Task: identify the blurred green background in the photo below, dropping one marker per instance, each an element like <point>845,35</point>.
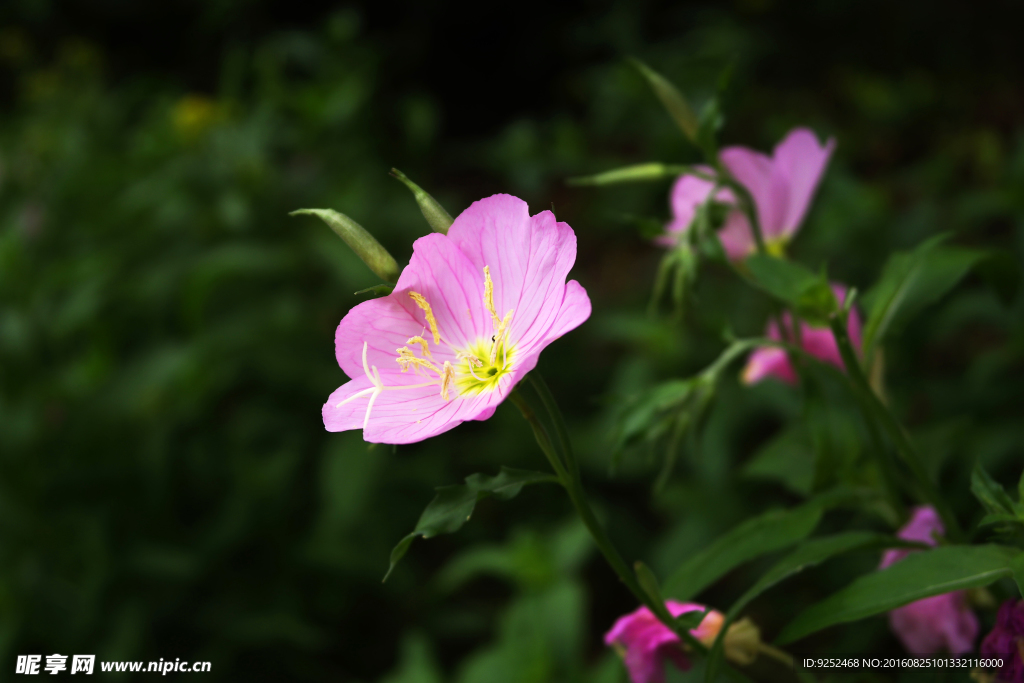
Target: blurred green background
<point>166,330</point>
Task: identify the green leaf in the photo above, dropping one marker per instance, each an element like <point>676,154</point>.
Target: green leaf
<point>676,105</point>
<point>453,505</point>
<point>808,293</point>
<point>919,575</point>
<point>438,219</point>
<point>1017,567</point>
<point>990,493</point>
<point>632,174</point>
<point>763,534</point>
<point>910,281</point>
<point>808,554</point>
<point>377,290</point>
<point>645,577</point>
<point>365,245</point>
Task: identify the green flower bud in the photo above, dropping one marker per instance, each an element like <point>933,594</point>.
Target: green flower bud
<point>438,219</point>
<point>673,100</point>
<point>362,242</point>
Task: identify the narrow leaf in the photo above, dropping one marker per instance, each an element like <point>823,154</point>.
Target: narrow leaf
<point>645,577</point>
<point>808,293</point>
<point>453,505</point>
<point>365,245</point>
<point>377,290</point>
<point>910,281</point>
<point>920,575</point>
<point>808,554</point>
<point>673,100</point>
<point>990,493</point>
<point>769,532</point>
<point>631,174</point>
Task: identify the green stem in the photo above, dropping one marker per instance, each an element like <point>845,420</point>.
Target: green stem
<point>573,485</point>
<point>877,410</point>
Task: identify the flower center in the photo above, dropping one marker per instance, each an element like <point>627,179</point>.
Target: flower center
<point>476,369</point>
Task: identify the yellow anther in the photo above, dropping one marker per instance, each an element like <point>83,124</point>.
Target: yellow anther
<point>407,359</point>
<point>489,296</point>
<point>500,337</point>
<point>447,379</point>
<point>466,356</point>
<point>421,341</point>
<point>422,303</point>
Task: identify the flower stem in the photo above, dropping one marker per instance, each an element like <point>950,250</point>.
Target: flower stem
<point>875,409</point>
<point>571,482</point>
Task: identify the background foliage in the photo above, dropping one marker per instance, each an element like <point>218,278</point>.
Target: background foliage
<point>166,486</point>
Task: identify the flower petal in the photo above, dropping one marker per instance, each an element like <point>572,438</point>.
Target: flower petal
<point>756,172</point>
<point>384,325</point>
<point>769,361</point>
<point>451,284</point>
<point>529,258</point>
<point>801,161</point>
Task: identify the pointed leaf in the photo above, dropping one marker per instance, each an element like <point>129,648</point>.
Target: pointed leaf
<point>990,493</point>
<point>438,219</point>
<point>808,554</point>
<point>808,293</point>
<point>453,505</point>
<point>769,532</point>
<point>645,577</point>
<point>365,245</point>
<point>377,290</point>
<point>632,174</point>
<point>678,108</point>
<point>920,575</point>
<point>911,281</point>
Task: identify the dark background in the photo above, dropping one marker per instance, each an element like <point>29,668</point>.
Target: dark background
<point>166,486</point>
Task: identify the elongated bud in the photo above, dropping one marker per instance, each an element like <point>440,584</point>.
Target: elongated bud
<point>438,219</point>
<point>362,242</point>
<point>632,174</point>
<point>677,106</point>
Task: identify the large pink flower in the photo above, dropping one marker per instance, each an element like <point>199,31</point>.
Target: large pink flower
<point>782,186</point>
<point>941,622</point>
<point>772,361</point>
<point>646,643</point>
<point>468,319</point>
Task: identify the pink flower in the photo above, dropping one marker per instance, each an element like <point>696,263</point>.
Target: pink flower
<point>782,186</point>
<point>941,622</point>
<point>772,361</point>
<point>646,643</point>
<point>1006,642</point>
<point>468,319</point>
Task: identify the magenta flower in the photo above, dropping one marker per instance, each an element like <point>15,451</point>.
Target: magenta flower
<point>1006,642</point>
<point>468,319</point>
<point>782,186</point>
<point>772,361</point>
<point>941,622</point>
<point>645,643</point>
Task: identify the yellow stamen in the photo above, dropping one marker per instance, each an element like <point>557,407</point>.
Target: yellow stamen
<point>473,360</point>
<point>422,342</point>
<point>422,303</point>
<point>447,379</point>
<point>407,359</point>
<point>489,296</point>
<point>500,336</point>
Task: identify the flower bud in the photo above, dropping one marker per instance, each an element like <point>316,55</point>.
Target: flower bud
<point>673,100</point>
<point>438,219</point>
<point>361,242</point>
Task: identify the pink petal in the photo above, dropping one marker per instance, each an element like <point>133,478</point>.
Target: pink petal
<point>756,172</point>
<point>769,361</point>
<point>452,285</point>
<point>402,416</point>
<point>688,193</point>
<point>801,161</point>
<point>736,236</point>
<point>384,324</point>
<point>529,259</point>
